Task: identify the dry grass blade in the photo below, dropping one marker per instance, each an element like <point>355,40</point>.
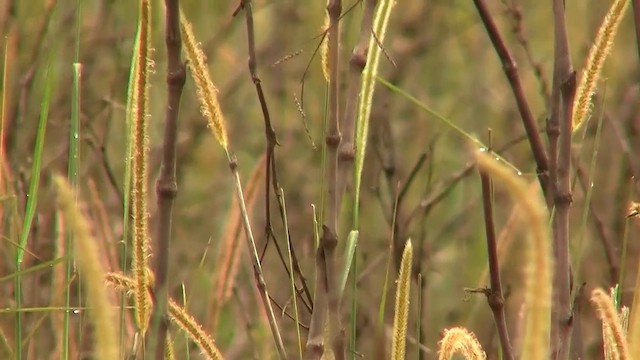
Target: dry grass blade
<point>595,62</point>
<point>539,263</point>
<point>606,310</point>
<point>89,265</point>
<point>460,340</point>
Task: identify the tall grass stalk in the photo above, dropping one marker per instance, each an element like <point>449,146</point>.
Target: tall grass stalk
<point>538,275</point>
<point>367,86</point>
<point>211,110</point>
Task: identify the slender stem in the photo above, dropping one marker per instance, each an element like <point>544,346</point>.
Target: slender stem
<point>357,63</point>
<point>494,294</point>
<point>271,174</point>
<point>564,83</point>
<point>257,268</point>
<point>511,71</point>
<point>166,186</point>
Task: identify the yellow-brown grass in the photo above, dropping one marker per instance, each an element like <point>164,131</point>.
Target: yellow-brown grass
<point>595,62</point>
<point>140,176</point>
<point>614,336</point>
<point>401,316</point>
<point>90,267</point>
<point>205,90</point>
<point>459,340</point>
<point>177,314</point>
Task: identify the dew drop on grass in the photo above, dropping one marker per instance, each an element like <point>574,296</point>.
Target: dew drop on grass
<point>483,149</point>
<point>519,173</point>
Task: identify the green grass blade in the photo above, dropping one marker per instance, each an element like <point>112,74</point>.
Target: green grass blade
<point>443,119</point>
<point>32,200</point>
<point>350,250</point>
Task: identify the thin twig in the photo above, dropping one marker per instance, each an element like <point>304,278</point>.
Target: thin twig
<point>494,294</point>
<point>271,179</point>
<point>166,186</point>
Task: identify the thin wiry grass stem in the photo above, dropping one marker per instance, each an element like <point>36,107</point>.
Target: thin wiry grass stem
<point>564,82</point>
<point>494,295</point>
<point>511,71</point>
<point>271,142</point>
<point>166,186</point>
<point>257,268</point>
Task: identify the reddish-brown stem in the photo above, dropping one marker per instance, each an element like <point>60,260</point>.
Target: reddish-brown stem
<point>494,294</point>
<point>271,175</point>
<point>166,186</point>
<point>564,83</point>
<point>511,71</point>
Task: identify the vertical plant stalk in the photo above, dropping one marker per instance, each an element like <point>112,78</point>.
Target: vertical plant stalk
<point>494,295</point>
<point>327,293</point>
<point>32,202</point>
<point>357,64</point>
<point>257,268</point>
<point>564,83</point>
<point>271,142</point>
<point>539,263</point>
<point>211,110</point>
<point>166,186</point>
<point>140,174</point>
<point>511,71</point>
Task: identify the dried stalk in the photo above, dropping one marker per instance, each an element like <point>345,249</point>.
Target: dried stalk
<point>326,265</point>
<point>494,294</point>
<point>564,82</point>
<point>346,152</point>
<point>166,185</point>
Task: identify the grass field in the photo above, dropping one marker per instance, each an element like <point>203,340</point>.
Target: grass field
<point>240,179</point>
